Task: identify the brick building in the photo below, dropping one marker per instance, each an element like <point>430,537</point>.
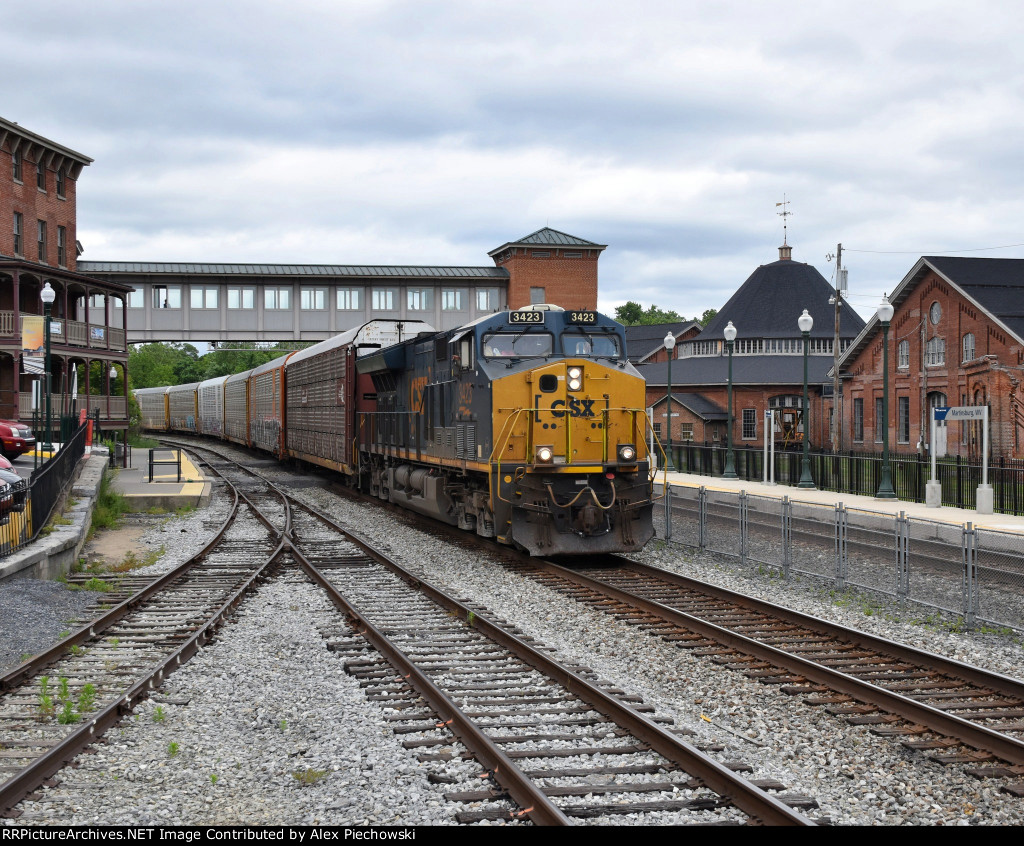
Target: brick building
<point>39,245</point>
<point>549,266</point>
<point>767,363</point>
<point>956,338</point>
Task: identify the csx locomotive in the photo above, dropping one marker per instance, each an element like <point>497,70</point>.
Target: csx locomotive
<point>527,426</point>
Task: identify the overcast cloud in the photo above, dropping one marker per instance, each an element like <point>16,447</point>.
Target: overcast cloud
<point>365,132</point>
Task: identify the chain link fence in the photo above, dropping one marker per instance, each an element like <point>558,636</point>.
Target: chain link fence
<point>976,574</point>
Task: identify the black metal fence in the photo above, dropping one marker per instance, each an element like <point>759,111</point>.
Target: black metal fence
<point>44,491</point>
<point>860,473</point>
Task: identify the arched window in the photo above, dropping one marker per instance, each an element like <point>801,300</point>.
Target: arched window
<point>935,353</point>
<point>903,355</point>
<point>969,347</point>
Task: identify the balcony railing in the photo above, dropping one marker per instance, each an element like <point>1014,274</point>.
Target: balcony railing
<point>73,333</point>
<point>110,408</point>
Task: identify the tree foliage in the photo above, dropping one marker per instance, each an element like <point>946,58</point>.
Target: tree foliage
<point>634,314</point>
<point>153,365</point>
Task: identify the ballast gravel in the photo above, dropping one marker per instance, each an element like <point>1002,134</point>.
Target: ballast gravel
<point>264,727</point>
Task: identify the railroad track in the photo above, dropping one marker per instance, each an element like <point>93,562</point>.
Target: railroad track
<point>58,702</point>
<point>958,713</point>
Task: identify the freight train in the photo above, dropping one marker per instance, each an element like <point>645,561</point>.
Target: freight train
<point>528,426</point>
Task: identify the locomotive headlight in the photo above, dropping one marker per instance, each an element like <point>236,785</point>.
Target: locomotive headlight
<point>627,452</point>
<point>545,455</point>
<point>575,380</point>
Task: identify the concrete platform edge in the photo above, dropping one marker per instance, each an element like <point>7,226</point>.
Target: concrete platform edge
<point>55,554</point>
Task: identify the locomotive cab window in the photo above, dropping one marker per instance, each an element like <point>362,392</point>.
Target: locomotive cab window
<point>517,344</point>
<point>590,345</point>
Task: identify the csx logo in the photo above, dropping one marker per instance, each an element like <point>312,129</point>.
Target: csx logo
<point>574,408</point>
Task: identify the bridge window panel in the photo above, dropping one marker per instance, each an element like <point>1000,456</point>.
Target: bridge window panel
<point>383,299</point>
<point>487,299</point>
<point>96,302</point>
<point>517,344</point>
<point>749,424</point>
<point>166,296</point>
<point>350,299</point>
<point>239,298</point>
<point>453,299</point>
<point>277,298</point>
<point>203,297</point>
<point>136,299</point>
<point>591,345</point>
<point>313,299</point>
<point>419,299</point>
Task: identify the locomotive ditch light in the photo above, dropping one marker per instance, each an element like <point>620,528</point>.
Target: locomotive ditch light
<point>627,453</point>
<point>575,381</point>
<point>545,455</point>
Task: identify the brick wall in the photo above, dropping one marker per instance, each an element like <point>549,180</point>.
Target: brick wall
<point>569,282</point>
<point>35,205</point>
<point>991,376</point>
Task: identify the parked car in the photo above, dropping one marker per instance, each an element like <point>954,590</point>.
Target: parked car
<point>13,490</point>
<point>15,439</point>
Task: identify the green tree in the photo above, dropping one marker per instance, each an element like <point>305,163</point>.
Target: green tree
<point>707,316</point>
<point>153,365</point>
<point>633,314</point>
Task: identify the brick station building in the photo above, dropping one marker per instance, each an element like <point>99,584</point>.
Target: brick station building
<point>956,338</point>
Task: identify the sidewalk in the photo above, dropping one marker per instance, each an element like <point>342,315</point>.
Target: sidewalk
<point>954,516</point>
<point>165,492</point>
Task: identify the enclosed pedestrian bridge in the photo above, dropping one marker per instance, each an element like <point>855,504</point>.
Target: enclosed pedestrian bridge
<point>242,302</point>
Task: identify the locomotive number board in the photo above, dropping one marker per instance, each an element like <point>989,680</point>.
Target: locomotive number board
<point>531,317</point>
<point>584,318</point>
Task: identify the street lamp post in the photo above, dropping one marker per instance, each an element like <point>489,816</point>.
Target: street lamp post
<point>730,466</point>
<point>47,295</point>
<point>885,312</point>
<point>670,345</point>
<point>805,322</point>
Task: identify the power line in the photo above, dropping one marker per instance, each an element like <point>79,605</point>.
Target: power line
<point>932,252</point>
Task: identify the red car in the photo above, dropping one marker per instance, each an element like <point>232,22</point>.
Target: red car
<point>15,439</point>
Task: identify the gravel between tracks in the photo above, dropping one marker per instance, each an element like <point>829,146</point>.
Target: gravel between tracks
<point>231,726</point>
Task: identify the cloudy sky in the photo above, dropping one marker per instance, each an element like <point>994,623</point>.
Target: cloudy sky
<point>377,132</point>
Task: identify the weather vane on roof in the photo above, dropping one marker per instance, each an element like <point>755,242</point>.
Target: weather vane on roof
<point>783,214</point>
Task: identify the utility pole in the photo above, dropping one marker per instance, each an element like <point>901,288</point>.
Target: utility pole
<point>837,409</point>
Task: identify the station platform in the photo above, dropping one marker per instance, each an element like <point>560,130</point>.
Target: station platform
<point>943,514</point>
<point>167,492</point>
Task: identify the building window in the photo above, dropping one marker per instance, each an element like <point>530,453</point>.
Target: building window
<point>97,302</point>
<point>903,355</point>
<point>686,431</point>
<point>40,176</point>
<point>17,233</point>
<point>136,299</point>
<point>879,420</point>
<point>935,313</point>
<point>350,299</point>
<point>420,299</point>
<point>451,300</point>
<point>277,298</point>
<point>935,353</point>
<point>240,298</point>
<point>203,297</point>
<point>41,239</point>
<point>858,419</point>
<point>969,347</point>
<point>313,299</point>
<point>383,299</point>
<point>657,430</point>
<point>537,296</point>
<point>541,254</point>
<point>16,165</point>
<point>487,299</point>
<point>62,246</point>
<point>749,424</point>
<point>903,420</point>
<point>60,183</point>
<point>166,296</point>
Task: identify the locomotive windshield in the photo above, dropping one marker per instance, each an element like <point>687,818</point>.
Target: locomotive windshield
<point>517,344</point>
<point>590,344</point>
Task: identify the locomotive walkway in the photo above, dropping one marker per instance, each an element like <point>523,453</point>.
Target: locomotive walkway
<point>954,516</point>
